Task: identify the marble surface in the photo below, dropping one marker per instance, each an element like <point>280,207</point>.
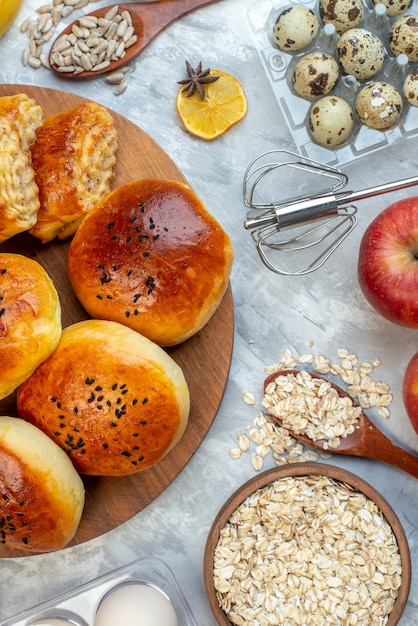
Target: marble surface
<point>320,312</point>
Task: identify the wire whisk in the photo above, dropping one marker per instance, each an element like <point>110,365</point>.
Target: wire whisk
<point>320,215</point>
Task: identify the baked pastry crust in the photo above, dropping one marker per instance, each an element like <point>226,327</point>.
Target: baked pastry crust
<point>24,114</point>
<point>41,494</point>
<point>150,256</point>
<point>112,399</point>
<point>20,117</point>
<point>30,319</point>
<point>74,157</point>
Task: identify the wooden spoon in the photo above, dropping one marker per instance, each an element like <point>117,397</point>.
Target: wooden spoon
<point>148,19</point>
<point>366,440</point>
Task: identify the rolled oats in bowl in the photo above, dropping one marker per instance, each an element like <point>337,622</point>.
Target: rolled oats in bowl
<point>309,544</point>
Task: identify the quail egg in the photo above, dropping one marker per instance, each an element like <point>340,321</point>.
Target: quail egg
<point>403,37</point>
<point>315,75</point>
<point>379,105</point>
<point>344,14</point>
<point>394,7</point>
<point>410,88</point>
<point>295,28</point>
<point>360,53</point>
<point>331,121</point>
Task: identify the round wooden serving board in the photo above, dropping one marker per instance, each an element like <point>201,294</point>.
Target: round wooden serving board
<point>205,358</point>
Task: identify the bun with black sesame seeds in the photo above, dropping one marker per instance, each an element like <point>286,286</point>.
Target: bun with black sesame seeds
<point>151,257</point>
<point>113,400</point>
<point>30,319</point>
<point>41,493</point>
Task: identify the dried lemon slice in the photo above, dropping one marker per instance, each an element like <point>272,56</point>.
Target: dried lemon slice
<point>223,106</point>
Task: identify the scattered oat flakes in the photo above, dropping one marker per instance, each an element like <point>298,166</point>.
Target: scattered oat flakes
<point>276,441</point>
<point>248,398</point>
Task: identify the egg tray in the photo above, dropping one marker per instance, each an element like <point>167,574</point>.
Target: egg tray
<point>79,605</point>
<point>278,66</point>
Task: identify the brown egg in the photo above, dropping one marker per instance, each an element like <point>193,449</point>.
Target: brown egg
<point>410,88</point>
<point>295,28</point>
<point>315,75</point>
<point>394,7</point>
<point>360,53</point>
<point>331,121</point>
<point>344,14</point>
<point>379,105</point>
<point>403,37</point>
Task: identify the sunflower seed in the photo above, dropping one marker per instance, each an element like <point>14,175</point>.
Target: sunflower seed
<point>91,46</point>
<point>120,88</point>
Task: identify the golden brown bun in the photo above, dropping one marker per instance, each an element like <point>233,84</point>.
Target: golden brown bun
<point>24,114</point>
<point>112,399</point>
<point>20,117</point>
<point>42,495</point>
<point>30,319</point>
<point>150,256</point>
<point>74,156</point>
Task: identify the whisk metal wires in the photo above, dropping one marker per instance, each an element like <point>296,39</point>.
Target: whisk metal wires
<point>320,215</point>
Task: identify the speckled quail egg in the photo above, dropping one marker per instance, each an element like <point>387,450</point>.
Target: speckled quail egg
<point>379,105</point>
<point>315,75</point>
<point>403,37</point>
<point>394,7</point>
<point>331,121</point>
<point>410,87</point>
<point>344,14</point>
<point>360,53</point>
<point>295,28</point>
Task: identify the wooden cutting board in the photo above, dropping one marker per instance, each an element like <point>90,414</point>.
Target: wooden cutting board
<point>205,358</point>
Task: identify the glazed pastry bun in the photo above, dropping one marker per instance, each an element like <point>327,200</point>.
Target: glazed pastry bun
<point>150,256</point>
<point>74,157</point>
<point>20,117</point>
<point>41,494</point>
<point>30,319</point>
<point>112,399</point>
<point>24,114</point>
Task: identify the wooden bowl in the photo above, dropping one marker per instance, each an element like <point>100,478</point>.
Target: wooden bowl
<point>306,469</point>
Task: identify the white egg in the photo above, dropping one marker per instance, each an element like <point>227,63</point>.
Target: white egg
<point>394,7</point>
<point>344,14</point>
<point>410,88</point>
<point>403,37</point>
<point>361,53</point>
<point>331,121</point>
<point>315,75</point>
<point>295,28</point>
<point>379,105</point>
<point>136,604</point>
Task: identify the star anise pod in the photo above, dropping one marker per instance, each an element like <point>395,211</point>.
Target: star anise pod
<point>196,79</point>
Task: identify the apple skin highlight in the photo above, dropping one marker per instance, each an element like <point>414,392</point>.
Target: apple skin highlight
<point>388,263</point>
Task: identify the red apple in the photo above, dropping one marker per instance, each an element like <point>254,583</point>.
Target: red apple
<point>388,263</point>
<point>410,391</point>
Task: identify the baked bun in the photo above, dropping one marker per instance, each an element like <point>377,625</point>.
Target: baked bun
<point>150,256</point>
<point>30,319</point>
<point>112,399</point>
<point>24,114</point>
<point>20,117</point>
<point>74,156</point>
<point>42,495</point>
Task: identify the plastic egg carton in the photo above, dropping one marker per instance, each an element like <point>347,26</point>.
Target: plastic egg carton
<point>78,606</point>
<point>279,65</point>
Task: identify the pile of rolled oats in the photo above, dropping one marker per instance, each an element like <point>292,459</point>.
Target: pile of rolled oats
<point>311,406</point>
<point>262,438</point>
<point>307,550</point>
